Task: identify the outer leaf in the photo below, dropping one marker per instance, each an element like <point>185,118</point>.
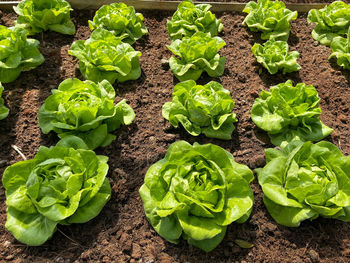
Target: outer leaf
<point>331,21</point>
<point>196,191</point>
<point>275,56</point>
<point>121,20</point>
<point>42,15</point>
<point>341,50</point>
<point>83,114</point>
<point>289,113</point>
<point>189,19</point>
<point>269,17</point>
<point>105,57</point>
<point>196,54</point>
<point>304,181</point>
<point>201,109</point>
<point>3,110</point>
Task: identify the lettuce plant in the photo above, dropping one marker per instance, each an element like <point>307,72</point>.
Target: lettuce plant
<point>17,53</point>
<point>121,20</point>
<point>275,56</point>
<point>201,109</point>
<point>42,15</point>
<point>83,114</point>
<point>59,186</point>
<point>331,21</point>
<point>196,54</point>
<point>105,57</point>
<point>196,192</point>
<point>290,113</point>
<point>189,19</point>
<point>3,110</point>
<point>304,181</point>
<point>272,18</point>
<point>341,50</point>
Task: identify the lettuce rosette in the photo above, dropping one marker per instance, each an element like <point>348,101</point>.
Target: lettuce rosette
<point>121,20</point>
<point>304,181</point>
<point>42,15</point>
<point>17,53</point>
<point>288,113</point>
<point>83,114</point>
<point>201,109</point>
<point>331,21</point>
<point>4,112</point>
<point>196,192</point>
<point>105,57</point>
<point>272,18</point>
<point>341,50</point>
<point>59,186</point>
<point>189,19</point>
<point>275,56</point>
<point>196,54</point>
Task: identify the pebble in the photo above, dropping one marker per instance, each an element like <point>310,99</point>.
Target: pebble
<point>314,256</point>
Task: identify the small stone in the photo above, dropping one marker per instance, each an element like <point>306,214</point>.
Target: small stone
<point>136,251</point>
<point>9,257</point>
<point>7,243</point>
<point>314,256</point>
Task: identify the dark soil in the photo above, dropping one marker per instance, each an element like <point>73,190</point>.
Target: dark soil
<point>121,232</point>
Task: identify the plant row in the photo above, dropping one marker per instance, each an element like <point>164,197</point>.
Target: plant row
<point>196,191</point>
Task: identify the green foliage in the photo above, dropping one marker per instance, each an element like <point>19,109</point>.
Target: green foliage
<point>83,114</point>
<point>275,56</point>
<point>272,18</point>
<point>105,57</point>
<point>331,21</point>
<point>189,19</point>
<point>196,54</point>
<point>59,186</point>
<point>17,53</point>
<point>196,191</point>
<point>202,109</point>
<point>341,50</point>
<point>290,113</point>
<point>304,181</point>
<point>42,15</point>
<point>121,20</point>
<point>3,110</point>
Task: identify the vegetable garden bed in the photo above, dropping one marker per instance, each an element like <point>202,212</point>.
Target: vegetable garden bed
<point>121,232</point>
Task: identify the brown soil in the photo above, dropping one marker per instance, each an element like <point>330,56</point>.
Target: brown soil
<point>121,232</point>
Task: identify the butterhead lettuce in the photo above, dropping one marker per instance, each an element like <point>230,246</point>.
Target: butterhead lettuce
<point>196,192</point>
<point>17,53</point>
<point>83,114</point>
<point>341,50</point>
<point>201,109</point>
<point>105,57</point>
<point>304,181</point>
<point>189,19</point>
<point>42,15</point>
<point>59,186</point>
<point>275,56</point>
<point>272,18</point>
<point>196,54</point>
<point>288,113</point>
<point>121,20</point>
<point>331,21</point>
<point>3,110</point>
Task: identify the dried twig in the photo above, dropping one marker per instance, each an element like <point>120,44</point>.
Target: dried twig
<point>17,149</point>
<point>75,242</point>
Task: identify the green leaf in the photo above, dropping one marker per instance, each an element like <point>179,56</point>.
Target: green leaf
<point>42,15</point>
<point>121,20</point>
<point>195,54</point>
<point>290,113</point>
<point>341,50</point>
<point>83,114</point>
<point>196,191</point>
<point>272,18</point>
<point>243,243</point>
<point>201,109</point>
<point>189,19</point>
<point>4,112</point>
<point>331,21</point>
<point>275,56</point>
